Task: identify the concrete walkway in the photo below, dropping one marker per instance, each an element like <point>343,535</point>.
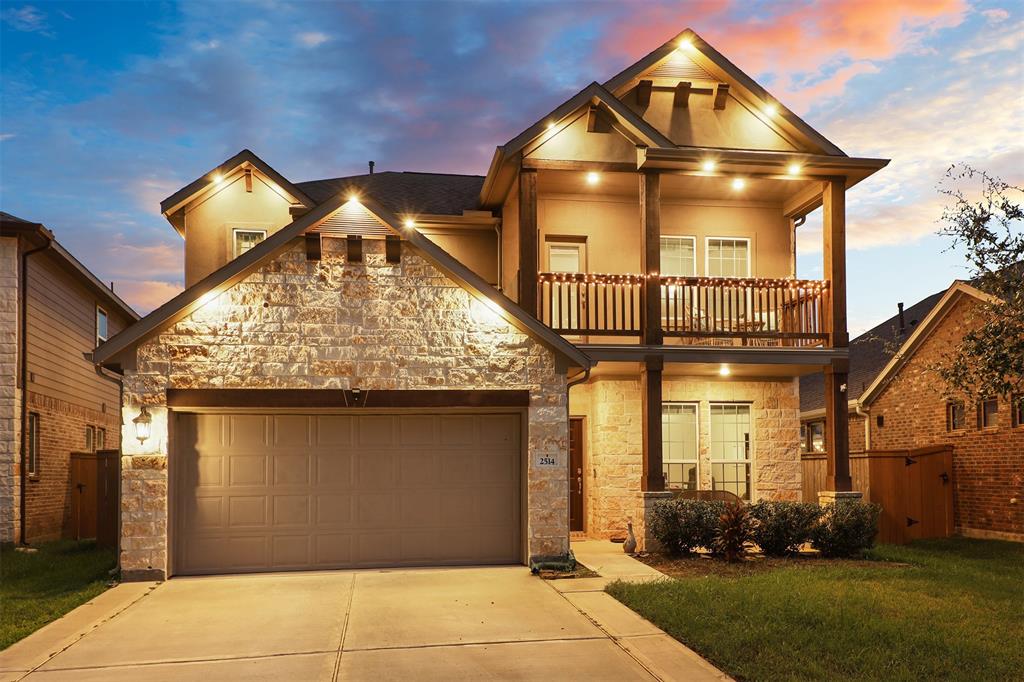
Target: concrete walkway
<point>427,624</point>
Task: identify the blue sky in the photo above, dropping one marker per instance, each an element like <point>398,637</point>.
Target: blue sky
<point>108,108</point>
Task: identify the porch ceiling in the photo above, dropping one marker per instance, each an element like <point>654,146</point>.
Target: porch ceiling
<point>745,371</point>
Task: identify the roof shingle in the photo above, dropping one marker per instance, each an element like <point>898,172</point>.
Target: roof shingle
<point>405,193</point>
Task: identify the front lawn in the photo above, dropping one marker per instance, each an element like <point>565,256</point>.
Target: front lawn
<point>954,610</point>
<point>39,587</point>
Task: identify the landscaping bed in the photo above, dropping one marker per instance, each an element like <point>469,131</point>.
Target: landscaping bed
<point>940,609</point>
<point>39,587</point>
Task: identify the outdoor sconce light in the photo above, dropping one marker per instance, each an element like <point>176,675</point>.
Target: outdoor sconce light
<point>142,423</point>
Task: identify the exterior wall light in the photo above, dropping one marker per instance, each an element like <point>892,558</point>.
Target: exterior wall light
<point>686,44</point>
<point>593,178</point>
<point>142,424</point>
<point>738,183</point>
<point>707,166</point>
<point>724,370</point>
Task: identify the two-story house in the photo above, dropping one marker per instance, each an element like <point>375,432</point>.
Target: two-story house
<point>420,369</point>
<point>53,400</point>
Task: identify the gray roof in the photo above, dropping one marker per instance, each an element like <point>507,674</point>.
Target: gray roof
<point>405,193</point>
<point>4,215</point>
<point>869,354</point>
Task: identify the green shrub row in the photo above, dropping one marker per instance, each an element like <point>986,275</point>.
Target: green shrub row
<point>844,529</point>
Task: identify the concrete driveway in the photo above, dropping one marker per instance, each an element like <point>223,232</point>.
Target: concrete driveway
<point>427,624</point>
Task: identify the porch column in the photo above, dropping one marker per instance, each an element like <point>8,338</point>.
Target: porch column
<point>837,437</point>
<point>528,240</point>
<point>650,399</point>
<point>650,254</point>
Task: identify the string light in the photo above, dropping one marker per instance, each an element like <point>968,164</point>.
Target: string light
<point>803,285</point>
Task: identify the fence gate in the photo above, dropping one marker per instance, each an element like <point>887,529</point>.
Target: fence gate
<point>95,478</point>
<point>929,481</point>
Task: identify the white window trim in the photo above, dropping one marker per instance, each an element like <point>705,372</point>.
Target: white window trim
<point>581,246</point>
<point>695,461</point>
<point>234,239</point>
<point>96,323</point>
<point>751,454</point>
<point>681,237</point>
<point>707,252</point>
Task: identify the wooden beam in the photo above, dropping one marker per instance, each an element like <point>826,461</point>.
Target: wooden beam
<point>643,93</point>
<point>354,248</point>
<point>650,228</point>
<point>834,265</point>
<point>721,95</point>
<point>393,248</point>
<point>653,478</point>
<point>297,210</point>
<point>681,100</point>
<point>837,436</point>
<point>313,246</point>
<point>599,166</point>
<point>592,119</point>
<point>248,180</point>
<point>528,241</point>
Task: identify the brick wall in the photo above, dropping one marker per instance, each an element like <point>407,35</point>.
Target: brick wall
<point>988,464</point>
<point>294,323</point>
<point>10,407</point>
<point>613,450</point>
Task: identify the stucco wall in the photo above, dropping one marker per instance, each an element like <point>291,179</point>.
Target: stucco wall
<point>9,393</point>
<point>614,447</point>
<point>294,323</point>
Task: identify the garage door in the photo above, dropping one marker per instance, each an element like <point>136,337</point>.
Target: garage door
<point>271,492</point>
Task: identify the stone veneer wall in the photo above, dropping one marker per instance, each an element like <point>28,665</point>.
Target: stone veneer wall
<point>10,394</point>
<point>294,323</point>
<point>613,449</point>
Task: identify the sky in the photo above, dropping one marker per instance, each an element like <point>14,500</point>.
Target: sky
<point>107,108</point>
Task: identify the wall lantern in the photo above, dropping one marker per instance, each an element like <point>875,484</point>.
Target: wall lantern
<point>142,423</point>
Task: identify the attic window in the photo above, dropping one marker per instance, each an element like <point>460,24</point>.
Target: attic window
<point>246,239</point>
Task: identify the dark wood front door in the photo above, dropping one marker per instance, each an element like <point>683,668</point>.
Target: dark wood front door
<point>576,473</point>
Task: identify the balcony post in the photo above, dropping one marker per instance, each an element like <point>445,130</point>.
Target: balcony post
<point>650,405</point>
<point>528,241</point>
<point>650,254</point>
<point>837,440</point>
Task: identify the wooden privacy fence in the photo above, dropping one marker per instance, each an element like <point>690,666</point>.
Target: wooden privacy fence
<point>914,488</point>
<point>95,479</point>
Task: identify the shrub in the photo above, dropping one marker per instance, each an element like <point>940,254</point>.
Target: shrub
<point>734,531</point>
<point>681,526</point>
<point>847,528</point>
<point>781,527</point>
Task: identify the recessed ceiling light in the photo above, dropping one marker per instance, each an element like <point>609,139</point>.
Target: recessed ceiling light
<point>551,126</point>
<point>218,178</point>
<point>353,197</point>
<point>686,44</point>
<point>738,183</point>
<point>794,169</point>
<point>707,166</point>
<point>593,178</point>
<point>771,109</point>
<point>410,223</point>
<point>724,370</point>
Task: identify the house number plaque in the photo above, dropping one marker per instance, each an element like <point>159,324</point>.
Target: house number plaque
<point>547,461</point>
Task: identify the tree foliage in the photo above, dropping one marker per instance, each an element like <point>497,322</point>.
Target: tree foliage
<point>984,217</point>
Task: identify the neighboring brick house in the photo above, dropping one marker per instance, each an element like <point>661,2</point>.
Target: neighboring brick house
<point>902,403</point>
<point>53,313</point>
<point>427,369</point>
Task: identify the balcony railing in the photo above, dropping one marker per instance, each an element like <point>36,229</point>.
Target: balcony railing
<point>697,310</point>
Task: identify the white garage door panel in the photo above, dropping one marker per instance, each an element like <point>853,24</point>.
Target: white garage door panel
<point>279,492</point>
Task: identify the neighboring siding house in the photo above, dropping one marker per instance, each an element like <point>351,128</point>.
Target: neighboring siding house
<point>54,312</point>
<point>424,369</point>
<point>901,403</point>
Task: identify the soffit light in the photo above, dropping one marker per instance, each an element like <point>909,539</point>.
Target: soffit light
<point>794,169</point>
<point>707,166</point>
<point>142,424</point>
<point>551,126</point>
<point>686,44</point>
<point>738,183</point>
<point>724,370</point>
<point>218,179</point>
<point>593,178</point>
<point>410,223</point>
<point>771,109</point>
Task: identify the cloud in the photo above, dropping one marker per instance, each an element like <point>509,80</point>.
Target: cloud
<point>996,15</point>
<point>7,136</point>
<point>27,19</point>
<point>1001,39</point>
<point>312,38</point>
<point>146,295</point>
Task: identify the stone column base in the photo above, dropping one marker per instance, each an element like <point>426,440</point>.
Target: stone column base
<point>833,496</point>
<point>644,541</point>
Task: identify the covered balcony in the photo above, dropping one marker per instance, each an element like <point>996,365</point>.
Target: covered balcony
<point>696,311</point>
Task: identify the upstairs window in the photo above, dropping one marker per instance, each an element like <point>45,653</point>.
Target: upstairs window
<point>678,256</point>
<point>244,240</point>
<point>101,325</point>
<point>988,413</point>
<point>728,257</point>
<point>101,439</point>
<point>956,415</point>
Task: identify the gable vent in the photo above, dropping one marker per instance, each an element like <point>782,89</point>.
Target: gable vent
<point>352,219</point>
<point>682,67</point>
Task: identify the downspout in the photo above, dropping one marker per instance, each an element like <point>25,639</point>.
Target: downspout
<point>867,425</point>
<point>797,222</point>
<point>23,352</point>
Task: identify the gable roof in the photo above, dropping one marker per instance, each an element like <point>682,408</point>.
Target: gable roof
<point>232,272</point>
<point>405,193</point>
<point>746,87</point>
<point>39,234</point>
<point>170,206</point>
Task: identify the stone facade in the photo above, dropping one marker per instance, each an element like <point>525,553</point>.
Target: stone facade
<point>294,323</point>
<point>10,394</point>
<point>988,463</point>
<point>613,446</point>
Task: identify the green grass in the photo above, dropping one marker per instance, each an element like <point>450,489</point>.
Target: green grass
<point>40,587</point>
<point>954,611</point>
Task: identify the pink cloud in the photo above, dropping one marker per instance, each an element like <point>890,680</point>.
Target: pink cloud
<point>145,295</point>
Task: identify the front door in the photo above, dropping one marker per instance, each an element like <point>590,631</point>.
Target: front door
<point>576,473</point>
